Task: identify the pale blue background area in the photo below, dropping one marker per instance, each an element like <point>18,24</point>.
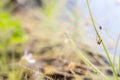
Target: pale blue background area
<point>107,14</point>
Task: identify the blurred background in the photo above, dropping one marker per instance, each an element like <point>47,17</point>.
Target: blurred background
<point>75,13</point>
<point>37,26</point>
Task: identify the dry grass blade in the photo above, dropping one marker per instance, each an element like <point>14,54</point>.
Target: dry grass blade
<point>83,58</point>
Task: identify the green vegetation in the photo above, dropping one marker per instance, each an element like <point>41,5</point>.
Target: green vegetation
<point>11,34</point>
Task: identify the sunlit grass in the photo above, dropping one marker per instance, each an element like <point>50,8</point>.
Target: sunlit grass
<point>83,58</point>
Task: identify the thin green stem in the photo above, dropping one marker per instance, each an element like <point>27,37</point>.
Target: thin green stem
<point>108,56</point>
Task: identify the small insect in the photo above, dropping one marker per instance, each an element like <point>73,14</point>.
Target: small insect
<point>100,27</point>
<point>99,42</point>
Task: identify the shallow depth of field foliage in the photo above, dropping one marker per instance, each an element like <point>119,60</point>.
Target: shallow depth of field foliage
<point>53,31</point>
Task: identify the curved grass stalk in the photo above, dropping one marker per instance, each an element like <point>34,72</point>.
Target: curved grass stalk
<point>104,47</point>
<point>84,59</point>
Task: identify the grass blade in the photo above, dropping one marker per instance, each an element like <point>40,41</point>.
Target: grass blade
<point>83,58</point>
<point>104,47</point>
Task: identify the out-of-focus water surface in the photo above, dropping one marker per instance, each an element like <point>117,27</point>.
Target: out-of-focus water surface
<point>107,14</point>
